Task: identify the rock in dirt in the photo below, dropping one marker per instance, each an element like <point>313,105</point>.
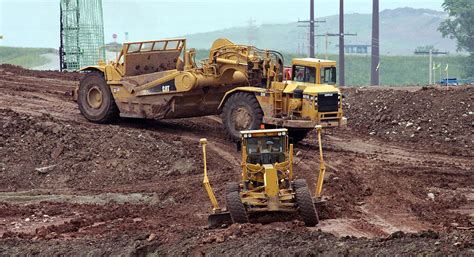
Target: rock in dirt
<point>152,237</point>
<point>57,151</point>
<point>44,170</point>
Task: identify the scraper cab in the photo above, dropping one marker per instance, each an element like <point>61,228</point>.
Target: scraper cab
<point>267,183</point>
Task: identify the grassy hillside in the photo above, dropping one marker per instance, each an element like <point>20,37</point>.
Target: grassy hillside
<point>401,31</point>
<point>25,57</point>
<point>394,70</point>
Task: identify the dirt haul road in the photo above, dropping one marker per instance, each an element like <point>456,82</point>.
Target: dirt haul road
<point>399,179</point>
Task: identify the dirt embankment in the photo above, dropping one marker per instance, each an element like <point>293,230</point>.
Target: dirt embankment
<point>135,187</point>
<point>436,117</point>
<point>18,71</point>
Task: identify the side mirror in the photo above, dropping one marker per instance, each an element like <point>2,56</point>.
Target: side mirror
<point>239,146</point>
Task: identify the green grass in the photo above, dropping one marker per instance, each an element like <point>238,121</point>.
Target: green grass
<point>394,70</point>
<point>25,57</point>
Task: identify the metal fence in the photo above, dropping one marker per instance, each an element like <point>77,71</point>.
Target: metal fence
<point>82,34</point>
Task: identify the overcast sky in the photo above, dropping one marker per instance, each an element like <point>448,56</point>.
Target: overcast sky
<point>35,23</point>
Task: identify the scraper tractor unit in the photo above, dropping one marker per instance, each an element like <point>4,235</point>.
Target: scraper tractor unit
<point>247,86</point>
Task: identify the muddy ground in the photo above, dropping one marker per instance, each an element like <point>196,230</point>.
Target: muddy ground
<point>399,178</point>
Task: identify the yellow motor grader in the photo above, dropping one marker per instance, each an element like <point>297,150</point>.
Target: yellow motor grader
<point>267,181</point>
<point>161,80</point>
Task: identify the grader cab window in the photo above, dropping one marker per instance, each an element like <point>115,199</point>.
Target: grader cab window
<point>328,75</point>
<point>304,74</point>
<point>265,150</point>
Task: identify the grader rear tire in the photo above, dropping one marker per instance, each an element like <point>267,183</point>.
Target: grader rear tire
<point>236,208</point>
<point>95,99</point>
<point>241,112</point>
<point>306,207</point>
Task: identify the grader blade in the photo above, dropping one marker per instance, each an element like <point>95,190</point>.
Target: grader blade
<point>219,219</point>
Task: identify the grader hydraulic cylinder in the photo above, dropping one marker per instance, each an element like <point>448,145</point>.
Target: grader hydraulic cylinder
<point>322,167</point>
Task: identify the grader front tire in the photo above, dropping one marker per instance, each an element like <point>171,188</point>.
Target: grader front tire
<point>232,187</point>
<point>306,207</point>
<point>95,99</point>
<point>299,183</point>
<point>236,208</point>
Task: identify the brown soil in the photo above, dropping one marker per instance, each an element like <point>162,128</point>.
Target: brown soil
<point>70,187</point>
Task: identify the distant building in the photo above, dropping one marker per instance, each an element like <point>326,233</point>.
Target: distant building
<point>356,48</point>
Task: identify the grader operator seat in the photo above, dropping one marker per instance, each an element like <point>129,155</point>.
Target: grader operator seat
<point>265,149</point>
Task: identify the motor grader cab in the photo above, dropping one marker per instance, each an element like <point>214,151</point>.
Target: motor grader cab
<point>267,181</point>
<point>160,79</point>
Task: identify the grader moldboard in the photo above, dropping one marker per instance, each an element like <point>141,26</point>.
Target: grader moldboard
<point>247,86</point>
<point>268,183</point>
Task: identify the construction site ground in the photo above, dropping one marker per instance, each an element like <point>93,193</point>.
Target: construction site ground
<point>399,178</point>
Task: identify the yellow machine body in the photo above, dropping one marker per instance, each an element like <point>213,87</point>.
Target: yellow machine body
<point>267,180</point>
<point>266,170</point>
<point>160,80</point>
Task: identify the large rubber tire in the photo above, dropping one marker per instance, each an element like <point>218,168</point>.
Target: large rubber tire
<point>306,207</point>
<point>232,187</point>
<point>241,112</point>
<point>102,107</point>
<point>299,183</point>
<point>236,208</point>
<point>298,134</point>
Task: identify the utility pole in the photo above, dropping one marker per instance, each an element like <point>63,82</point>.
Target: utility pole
<point>311,29</point>
<point>326,39</point>
<point>342,77</point>
<point>374,73</point>
<point>126,37</point>
<point>327,35</point>
<point>430,52</point>
<point>311,26</point>
<point>430,66</point>
<point>251,32</point>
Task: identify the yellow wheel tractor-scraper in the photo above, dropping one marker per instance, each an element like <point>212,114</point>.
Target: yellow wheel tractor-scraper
<point>268,183</point>
<point>247,86</point>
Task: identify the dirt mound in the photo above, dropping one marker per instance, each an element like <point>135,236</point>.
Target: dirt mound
<point>54,154</point>
<point>440,118</point>
<point>19,71</point>
<point>287,240</point>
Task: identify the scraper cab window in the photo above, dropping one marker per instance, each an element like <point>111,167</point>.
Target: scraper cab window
<point>304,74</point>
<point>265,150</point>
<point>328,75</point>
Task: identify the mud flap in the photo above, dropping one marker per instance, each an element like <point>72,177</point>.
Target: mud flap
<point>219,219</point>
